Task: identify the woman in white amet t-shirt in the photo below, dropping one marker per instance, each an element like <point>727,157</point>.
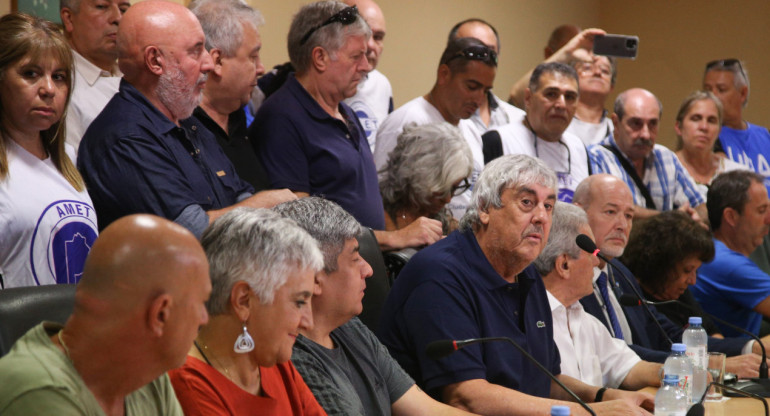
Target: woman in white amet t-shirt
<point>47,220</point>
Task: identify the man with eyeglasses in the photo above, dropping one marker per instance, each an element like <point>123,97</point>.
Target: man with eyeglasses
<point>479,282</point>
<point>550,102</point>
<point>464,77</point>
<point>596,80</point>
<point>310,141</point>
<point>656,177</point>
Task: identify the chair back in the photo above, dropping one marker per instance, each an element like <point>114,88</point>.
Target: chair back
<point>24,307</point>
<point>378,285</point>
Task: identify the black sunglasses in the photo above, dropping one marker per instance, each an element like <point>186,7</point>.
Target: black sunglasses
<point>476,53</point>
<point>726,63</point>
<point>345,16</point>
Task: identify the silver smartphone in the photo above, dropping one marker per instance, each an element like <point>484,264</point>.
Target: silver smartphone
<point>621,46</point>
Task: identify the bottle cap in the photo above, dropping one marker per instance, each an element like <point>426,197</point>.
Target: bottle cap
<point>559,410</point>
<point>695,320</point>
<point>678,347</point>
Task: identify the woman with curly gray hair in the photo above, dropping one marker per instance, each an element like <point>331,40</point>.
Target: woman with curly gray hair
<point>429,165</point>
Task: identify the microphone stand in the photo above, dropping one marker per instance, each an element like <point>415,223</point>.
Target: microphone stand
<point>586,244</point>
<point>760,385</point>
<point>698,409</point>
<point>441,348</point>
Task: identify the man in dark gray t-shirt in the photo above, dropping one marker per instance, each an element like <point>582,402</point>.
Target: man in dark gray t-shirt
<point>349,371</point>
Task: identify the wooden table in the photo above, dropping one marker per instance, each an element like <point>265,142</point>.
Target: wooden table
<point>733,406</point>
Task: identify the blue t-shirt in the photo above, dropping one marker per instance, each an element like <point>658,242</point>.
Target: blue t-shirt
<point>730,287</point>
<point>450,291</point>
<point>305,149</point>
<point>135,160</point>
<point>750,147</point>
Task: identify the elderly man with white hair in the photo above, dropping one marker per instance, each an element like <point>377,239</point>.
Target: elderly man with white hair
<point>478,282</point>
<point>588,351</point>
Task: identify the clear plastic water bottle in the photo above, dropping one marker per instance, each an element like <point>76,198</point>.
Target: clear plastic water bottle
<point>557,410</point>
<point>677,364</point>
<point>670,400</point>
<point>696,339</point>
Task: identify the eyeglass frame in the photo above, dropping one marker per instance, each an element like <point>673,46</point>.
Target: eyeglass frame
<point>346,16</point>
<point>458,190</point>
<point>476,53</point>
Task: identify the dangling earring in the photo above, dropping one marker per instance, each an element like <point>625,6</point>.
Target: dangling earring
<point>244,343</point>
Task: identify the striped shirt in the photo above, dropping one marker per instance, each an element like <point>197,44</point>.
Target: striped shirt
<point>668,182</point>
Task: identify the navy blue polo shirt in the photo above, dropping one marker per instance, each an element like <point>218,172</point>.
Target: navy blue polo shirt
<point>305,149</point>
<point>135,160</point>
<point>450,291</point>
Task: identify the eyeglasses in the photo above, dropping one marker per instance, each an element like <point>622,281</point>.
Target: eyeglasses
<point>345,16</point>
<point>476,53</point>
<point>460,188</point>
<point>727,63</point>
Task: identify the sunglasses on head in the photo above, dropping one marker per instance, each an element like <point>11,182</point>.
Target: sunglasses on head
<point>345,16</point>
<point>726,63</point>
<point>476,53</point>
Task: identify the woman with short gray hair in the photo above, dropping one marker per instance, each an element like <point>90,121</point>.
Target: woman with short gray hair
<point>262,270</point>
<point>429,165</point>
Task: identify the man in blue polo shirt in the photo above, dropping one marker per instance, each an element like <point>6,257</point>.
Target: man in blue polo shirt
<point>310,141</point>
<point>478,282</point>
<point>143,154</point>
<point>732,286</point>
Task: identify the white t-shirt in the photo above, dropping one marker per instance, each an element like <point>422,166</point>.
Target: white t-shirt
<point>47,226</point>
<point>591,133</point>
<point>93,89</point>
<point>567,157</point>
<point>473,128</point>
<point>588,352</point>
<point>372,103</point>
<point>418,110</point>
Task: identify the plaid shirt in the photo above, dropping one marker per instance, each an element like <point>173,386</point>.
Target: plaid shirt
<point>668,182</point>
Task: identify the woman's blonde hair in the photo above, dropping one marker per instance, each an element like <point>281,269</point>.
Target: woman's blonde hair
<point>30,37</point>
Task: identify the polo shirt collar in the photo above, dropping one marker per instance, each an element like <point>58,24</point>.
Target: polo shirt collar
<point>308,102</point>
<point>491,279</point>
<point>159,120</point>
<point>90,72</point>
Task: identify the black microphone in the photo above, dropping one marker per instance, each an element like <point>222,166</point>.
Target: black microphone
<point>442,348</point>
<point>629,300</point>
<point>698,409</point>
<point>586,244</point>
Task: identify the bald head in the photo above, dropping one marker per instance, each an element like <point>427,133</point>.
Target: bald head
<point>139,256</point>
<point>151,23</point>
<point>142,295</point>
<point>478,29</point>
<point>161,52</point>
<point>559,37</point>
<point>609,205</point>
<point>372,13</point>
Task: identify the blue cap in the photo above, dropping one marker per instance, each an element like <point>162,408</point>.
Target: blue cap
<point>671,379</point>
<point>696,320</point>
<point>678,347</point>
<point>560,410</point>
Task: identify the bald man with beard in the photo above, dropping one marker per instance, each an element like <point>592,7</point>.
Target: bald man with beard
<point>137,310</point>
<point>143,153</point>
